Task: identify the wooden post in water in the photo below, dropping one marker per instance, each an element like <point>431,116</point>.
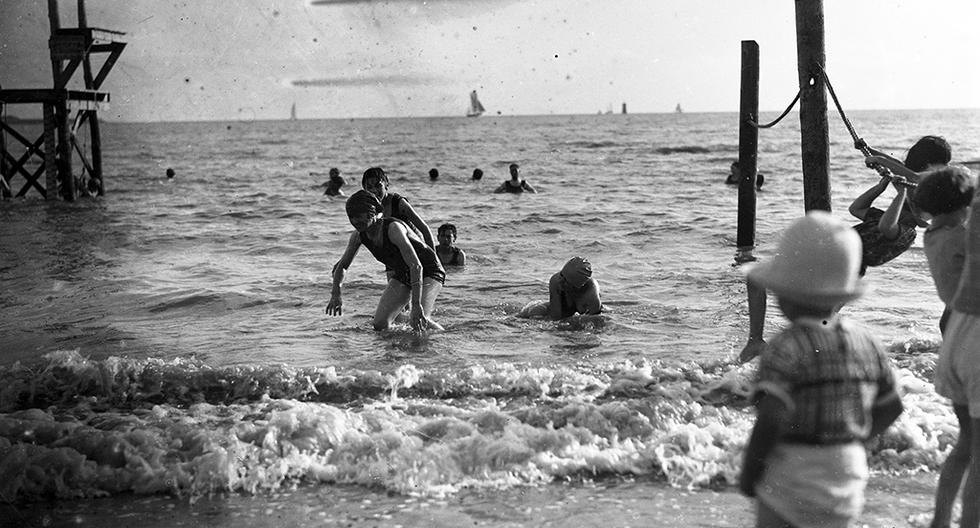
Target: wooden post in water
<point>92,115</point>
<point>3,158</point>
<point>815,142</point>
<point>52,121</point>
<point>69,48</point>
<point>748,149</point>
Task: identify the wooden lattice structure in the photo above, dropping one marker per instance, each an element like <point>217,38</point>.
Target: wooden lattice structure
<point>58,143</point>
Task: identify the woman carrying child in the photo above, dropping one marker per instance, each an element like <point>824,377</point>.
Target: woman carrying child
<point>416,276</point>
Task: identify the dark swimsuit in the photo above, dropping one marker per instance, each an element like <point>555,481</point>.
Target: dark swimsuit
<point>455,260</point>
<point>511,189</point>
<point>877,249</point>
<point>389,255</point>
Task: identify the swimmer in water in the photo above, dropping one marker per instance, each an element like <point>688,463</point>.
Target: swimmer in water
<point>570,291</point>
<point>449,254</point>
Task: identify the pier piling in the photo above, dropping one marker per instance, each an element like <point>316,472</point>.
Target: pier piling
<point>815,143</point>
<point>56,145</point>
<point>748,148</point>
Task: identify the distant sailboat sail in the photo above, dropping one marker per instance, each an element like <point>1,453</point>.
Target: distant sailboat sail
<point>678,109</point>
<point>476,108</point>
<point>292,113</point>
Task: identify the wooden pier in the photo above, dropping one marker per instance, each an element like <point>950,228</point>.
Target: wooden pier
<point>58,144</point>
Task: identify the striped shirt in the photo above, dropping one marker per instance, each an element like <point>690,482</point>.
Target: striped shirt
<point>829,374</point>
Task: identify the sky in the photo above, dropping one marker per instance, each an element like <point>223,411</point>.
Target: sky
<point>253,59</point>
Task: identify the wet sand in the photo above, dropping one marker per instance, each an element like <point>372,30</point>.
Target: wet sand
<point>891,502</point>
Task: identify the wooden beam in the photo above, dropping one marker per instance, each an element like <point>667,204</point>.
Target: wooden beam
<point>82,17</point>
<point>96,136</point>
<point>81,155</point>
<point>748,144</point>
<point>62,77</point>
<point>54,20</point>
<point>50,153</point>
<point>31,151</point>
<point>10,130</point>
<point>117,48</point>
<point>4,185</point>
<point>32,182</point>
<point>65,173</point>
<point>49,95</point>
<point>815,142</point>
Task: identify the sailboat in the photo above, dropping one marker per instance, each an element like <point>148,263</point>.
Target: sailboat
<point>292,113</point>
<point>476,109</point>
<point>678,109</point>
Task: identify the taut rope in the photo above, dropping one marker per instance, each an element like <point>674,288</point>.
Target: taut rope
<point>859,143</point>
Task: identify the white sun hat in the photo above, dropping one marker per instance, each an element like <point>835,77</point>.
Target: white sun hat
<point>817,261</point>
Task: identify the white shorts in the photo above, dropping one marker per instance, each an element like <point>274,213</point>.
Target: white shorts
<point>958,369</point>
<point>815,486</point>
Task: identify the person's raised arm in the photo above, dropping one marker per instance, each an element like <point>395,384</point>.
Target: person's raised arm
<point>893,165</point>
<point>336,304</point>
<point>859,207</point>
<point>888,223</point>
<point>399,236</point>
<point>554,297</point>
<point>590,298</point>
<point>408,212</point>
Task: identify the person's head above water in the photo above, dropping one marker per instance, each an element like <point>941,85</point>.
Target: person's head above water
<point>433,174</point>
<point>928,151</point>
<point>375,180</point>
<point>477,174</point>
<point>513,171</point>
<point>576,272</point>
<point>447,229</point>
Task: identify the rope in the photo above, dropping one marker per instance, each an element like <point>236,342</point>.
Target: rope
<point>860,143</point>
<point>781,116</point>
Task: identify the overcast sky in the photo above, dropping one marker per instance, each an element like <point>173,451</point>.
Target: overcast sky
<point>252,59</point>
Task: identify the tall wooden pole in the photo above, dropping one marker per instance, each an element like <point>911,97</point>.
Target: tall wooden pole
<point>93,115</point>
<point>811,59</point>
<point>4,186</point>
<point>748,149</point>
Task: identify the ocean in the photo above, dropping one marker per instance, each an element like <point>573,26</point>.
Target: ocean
<point>168,341</point>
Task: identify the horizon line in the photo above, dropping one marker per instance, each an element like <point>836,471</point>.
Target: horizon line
<point>485,116</point>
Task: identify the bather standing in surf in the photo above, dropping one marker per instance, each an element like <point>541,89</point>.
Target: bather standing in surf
<point>415,278</point>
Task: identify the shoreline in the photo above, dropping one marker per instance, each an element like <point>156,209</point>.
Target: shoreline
<point>891,501</point>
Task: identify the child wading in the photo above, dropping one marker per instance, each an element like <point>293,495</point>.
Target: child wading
<point>824,384</point>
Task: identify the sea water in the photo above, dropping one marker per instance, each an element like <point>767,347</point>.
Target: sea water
<point>170,337</point>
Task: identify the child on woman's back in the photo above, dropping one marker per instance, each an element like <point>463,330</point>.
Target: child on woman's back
<point>824,384</point>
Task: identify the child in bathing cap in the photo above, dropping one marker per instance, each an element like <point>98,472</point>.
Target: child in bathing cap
<point>824,384</point>
<point>570,291</point>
